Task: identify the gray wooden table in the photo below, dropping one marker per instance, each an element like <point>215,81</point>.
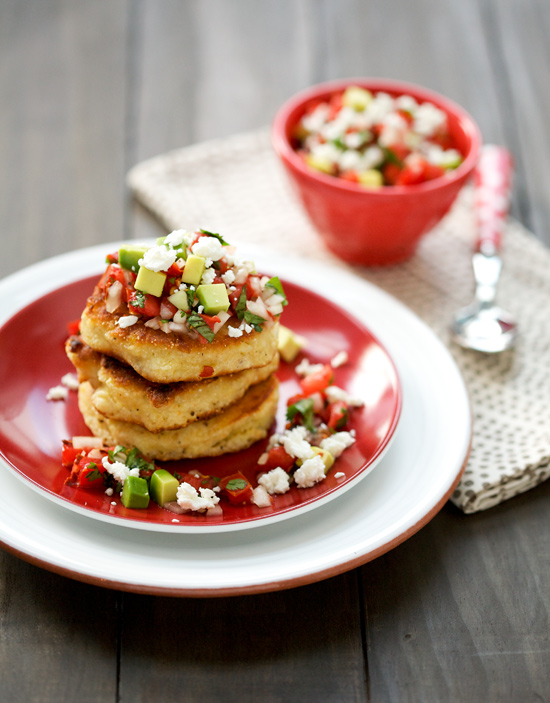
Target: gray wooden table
<point>88,88</point>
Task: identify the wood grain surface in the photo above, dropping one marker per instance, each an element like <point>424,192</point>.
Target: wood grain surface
<point>459,612</point>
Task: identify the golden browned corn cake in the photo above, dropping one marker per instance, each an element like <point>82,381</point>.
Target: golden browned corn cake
<point>121,394</point>
<point>171,358</point>
<point>236,428</point>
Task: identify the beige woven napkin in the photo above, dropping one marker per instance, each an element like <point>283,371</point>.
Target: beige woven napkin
<point>237,186</point>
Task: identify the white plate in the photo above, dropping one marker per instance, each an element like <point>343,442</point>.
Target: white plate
<point>410,484</point>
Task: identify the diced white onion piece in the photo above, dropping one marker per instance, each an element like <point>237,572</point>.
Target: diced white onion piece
<point>153,323</point>
<point>257,307</point>
<point>114,297</point>
<point>85,442</point>
<point>216,511</point>
<point>95,454</point>
<point>224,316</point>
<point>173,507</point>
<point>274,309</point>
<point>178,327</point>
<point>166,312</point>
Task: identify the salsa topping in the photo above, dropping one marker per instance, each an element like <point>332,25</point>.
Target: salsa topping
<point>374,139</point>
<point>190,283</point>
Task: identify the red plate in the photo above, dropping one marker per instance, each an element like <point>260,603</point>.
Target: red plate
<point>31,428</point>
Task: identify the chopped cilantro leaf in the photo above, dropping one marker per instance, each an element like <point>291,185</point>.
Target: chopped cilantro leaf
<point>240,308</point>
<point>196,322</point>
<point>136,460</point>
<point>138,299</point>
<point>303,407</point>
<point>216,236</point>
<point>278,286</point>
<point>236,484</point>
<point>96,473</point>
<point>255,320</point>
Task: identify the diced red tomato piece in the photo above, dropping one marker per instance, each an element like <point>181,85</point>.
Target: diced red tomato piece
<point>235,295</point>
<point>411,174</point>
<point>432,171</point>
<point>317,381</point>
<point>112,274</point>
<point>338,415</point>
<point>335,104</point>
<point>210,320</point>
<point>68,453</point>
<point>237,488</point>
<point>87,473</point>
<point>192,480</point>
<point>206,372</point>
<point>391,173</point>
<point>278,457</point>
<point>350,176</point>
<point>150,307</point>
<point>112,258</point>
<point>174,270</point>
<point>73,327</point>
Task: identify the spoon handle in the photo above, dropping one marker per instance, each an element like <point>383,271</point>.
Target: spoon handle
<point>492,180</point>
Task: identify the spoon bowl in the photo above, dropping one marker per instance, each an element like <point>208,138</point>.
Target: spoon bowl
<point>484,327</point>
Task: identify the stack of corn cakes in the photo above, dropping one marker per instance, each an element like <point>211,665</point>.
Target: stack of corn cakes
<point>177,350</point>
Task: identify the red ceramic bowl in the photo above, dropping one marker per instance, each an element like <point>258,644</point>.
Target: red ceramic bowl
<point>382,226</point>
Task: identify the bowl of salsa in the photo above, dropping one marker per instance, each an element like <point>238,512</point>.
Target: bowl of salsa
<point>375,163</point>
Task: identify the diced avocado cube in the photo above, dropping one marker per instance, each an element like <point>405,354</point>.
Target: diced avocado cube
<point>193,270</point>
<point>320,163</point>
<point>326,456</point>
<point>129,256</point>
<point>180,300</point>
<point>135,493</point>
<point>163,487</point>
<point>213,297</point>
<point>370,178</point>
<point>356,98</point>
<point>151,282</point>
<point>289,344</point>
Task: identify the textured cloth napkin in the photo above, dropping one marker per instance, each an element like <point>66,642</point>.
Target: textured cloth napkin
<point>236,185</point>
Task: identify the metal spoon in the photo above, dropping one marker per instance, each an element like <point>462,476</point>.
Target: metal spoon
<point>483,325</point>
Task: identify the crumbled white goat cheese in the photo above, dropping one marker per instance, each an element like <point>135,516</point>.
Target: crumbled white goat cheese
<point>208,276</point>
<point>208,247</point>
<point>234,332</point>
<point>310,472</point>
<point>339,474</point>
<point>295,443</point>
<point>260,497</point>
<point>70,381</point>
<point>127,320</point>
<point>335,393</point>
<point>175,238</point>
<point>58,393</point>
<point>306,368</point>
<point>158,258</point>
<point>189,498</point>
<point>228,277</point>
<point>119,470</point>
<point>337,443</point>
<point>275,481</point>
